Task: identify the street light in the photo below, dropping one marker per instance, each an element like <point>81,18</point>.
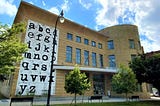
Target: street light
<point>61,19</point>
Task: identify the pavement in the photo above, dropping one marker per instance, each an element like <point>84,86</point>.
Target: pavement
<point>42,101</point>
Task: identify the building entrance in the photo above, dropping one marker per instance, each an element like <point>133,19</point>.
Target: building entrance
<point>98,84</point>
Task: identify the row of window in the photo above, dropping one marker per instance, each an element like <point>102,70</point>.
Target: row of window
<point>131,44</point>
<point>86,41</point>
<point>93,43</point>
<point>112,62</point>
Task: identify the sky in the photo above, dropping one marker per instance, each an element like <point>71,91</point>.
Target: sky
<point>99,14</point>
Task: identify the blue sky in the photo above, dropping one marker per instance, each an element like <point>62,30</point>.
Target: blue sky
<point>99,14</point>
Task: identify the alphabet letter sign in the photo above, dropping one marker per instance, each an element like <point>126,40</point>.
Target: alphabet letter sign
<point>34,70</point>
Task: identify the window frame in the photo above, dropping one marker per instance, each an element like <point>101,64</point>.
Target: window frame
<point>110,44</point>
<point>78,56</point>
<point>69,36</point>
<point>68,54</point>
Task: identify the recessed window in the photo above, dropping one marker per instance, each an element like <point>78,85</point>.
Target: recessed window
<point>78,39</point>
<point>68,54</point>
<point>112,61</point>
<point>131,44</point>
<point>101,60</point>
<point>94,62</point>
<point>86,41</point>
<point>86,57</point>
<point>69,36</point>
<point>78,56</point>
<point>133,56</point>
<point>93,43</point>
<point>110,44</point>
<point>99,45</point>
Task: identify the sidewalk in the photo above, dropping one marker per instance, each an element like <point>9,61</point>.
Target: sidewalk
<point>5,102</point>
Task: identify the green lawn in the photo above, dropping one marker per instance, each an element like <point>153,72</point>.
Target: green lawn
<point>142,103</point>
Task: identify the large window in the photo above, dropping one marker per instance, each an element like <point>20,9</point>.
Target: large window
<point>69,36</point>
<point>131,44</point>
<point>94,62</point>
<point>68,54</point>
<point>112,61</point>
<point>86,57</point>
<point>100,60</point>
<point>78,39</point>
<point>93,43</point>
<point>110,44</point>
<point>78,56</point>
<point>86,41</point>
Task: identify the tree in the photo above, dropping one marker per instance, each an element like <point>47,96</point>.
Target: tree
<point>76,82</point>
<point>147,69</point>
<point>11,48</point>
<point>124,81</point>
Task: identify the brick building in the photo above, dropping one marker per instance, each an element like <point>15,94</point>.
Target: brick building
<point>98,53</point>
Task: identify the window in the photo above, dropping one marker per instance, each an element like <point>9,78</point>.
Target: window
<point>69,36</point>
<point>100,60</point>
<point>86,57</point>
<point>112,61</point>
<point>133,56</point>
<point>99,45</point>
<point>139,45</point>
<point>94,63</point>
<point>86,41</point>
<point>131,44</point>
<point>78,39</point>
<point>78,56</point>
<point>93,43</point>
<point>110,44</point>
<point>68,54</point>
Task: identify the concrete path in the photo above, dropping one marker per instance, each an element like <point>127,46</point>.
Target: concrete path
<point>5,102</point>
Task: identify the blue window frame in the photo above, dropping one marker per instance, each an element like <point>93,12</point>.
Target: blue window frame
<point>78,56</point>
<point>68,54</point>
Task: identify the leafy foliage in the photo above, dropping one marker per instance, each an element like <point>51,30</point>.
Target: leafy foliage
<point>76,82</point>
<point>147,69</point>
<point>11,47</point>
<point>124,81</point>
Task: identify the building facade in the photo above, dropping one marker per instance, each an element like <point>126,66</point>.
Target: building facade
<point>98,53</point>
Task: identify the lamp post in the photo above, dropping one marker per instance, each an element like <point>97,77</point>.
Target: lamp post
<point>61,19</point>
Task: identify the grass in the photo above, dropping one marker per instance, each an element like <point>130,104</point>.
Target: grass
<point>141,103</point>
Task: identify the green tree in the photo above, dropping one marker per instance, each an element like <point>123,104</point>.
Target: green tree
<point>76,82</point>
<point>147,69</point>
<point>124,81</point>
<point>11,48</point>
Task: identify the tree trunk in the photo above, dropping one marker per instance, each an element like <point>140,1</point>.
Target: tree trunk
<point>75,99</point>
<point>126,96</point>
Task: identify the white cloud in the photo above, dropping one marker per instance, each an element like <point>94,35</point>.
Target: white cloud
<point>143,14</point>
<point>65,6</point>
<point>85,3</point>
<point>54,10</point>
<point>6,7</point>
<point>43,3</point>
